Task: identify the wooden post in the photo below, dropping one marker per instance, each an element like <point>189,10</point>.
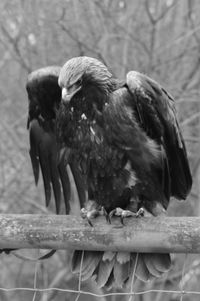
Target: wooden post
<point>145,234</point>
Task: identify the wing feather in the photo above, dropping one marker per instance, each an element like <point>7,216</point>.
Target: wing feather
<point>79,181</point>
<point>157,116</point>
<point>64,177</point>
<point>44,153</point>
<point>44,96</point>
<point>33,152</point>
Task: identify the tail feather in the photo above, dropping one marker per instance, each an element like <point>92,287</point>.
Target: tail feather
<point>123,257</point>
<point>88,261</point>
<point>104,272</point>
<point>111,269</point>
<point>110,283</point>
<point>142,272</point>
<point>133,266</point>
<point>161,262</point>
<point>121,268</point>
<point>108,255</point>
<point>76,261</point>
<point>150,266</point>
<point>121,273</point>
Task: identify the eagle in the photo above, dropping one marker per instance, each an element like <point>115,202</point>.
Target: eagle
<point>124,143</point>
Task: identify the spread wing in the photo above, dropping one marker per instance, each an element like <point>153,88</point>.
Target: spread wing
<point>157,116</point>
<point>44,98</point>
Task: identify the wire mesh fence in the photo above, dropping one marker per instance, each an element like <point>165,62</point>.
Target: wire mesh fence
<point>160,289</point>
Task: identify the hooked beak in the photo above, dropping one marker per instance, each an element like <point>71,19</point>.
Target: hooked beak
<point>66,96</point>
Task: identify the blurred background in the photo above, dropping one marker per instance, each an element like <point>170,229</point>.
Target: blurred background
<point>159,38</point>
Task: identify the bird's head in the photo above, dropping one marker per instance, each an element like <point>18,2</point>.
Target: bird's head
<point>85,80</point>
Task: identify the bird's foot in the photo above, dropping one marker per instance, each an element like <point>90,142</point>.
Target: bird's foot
<point>92,211</point>
<point>125,213</point>
<point>89,214</point>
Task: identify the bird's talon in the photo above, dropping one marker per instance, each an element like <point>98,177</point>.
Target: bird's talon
<point>140,212</point>
<point>122,220</point>
<point>105,213</point>
<point>113,212</point>
<point>109,220</point>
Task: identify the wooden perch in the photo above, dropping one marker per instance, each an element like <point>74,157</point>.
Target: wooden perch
<point>166,234</point>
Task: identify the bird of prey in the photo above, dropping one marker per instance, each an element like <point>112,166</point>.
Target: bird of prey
<point>125,142</point>
<point>44,96</point>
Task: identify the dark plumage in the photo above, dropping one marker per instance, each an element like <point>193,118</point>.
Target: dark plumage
<point>44,96</point>
<point>133,124</point>
<point>128,143</point>
<point>125,141</point>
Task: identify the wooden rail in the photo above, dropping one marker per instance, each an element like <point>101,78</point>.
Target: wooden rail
<point>166,234</point>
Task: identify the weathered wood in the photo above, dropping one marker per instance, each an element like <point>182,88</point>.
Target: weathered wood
<point>166,234</point>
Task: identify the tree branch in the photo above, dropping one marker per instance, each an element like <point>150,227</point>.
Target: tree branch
<point>14,43</point>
